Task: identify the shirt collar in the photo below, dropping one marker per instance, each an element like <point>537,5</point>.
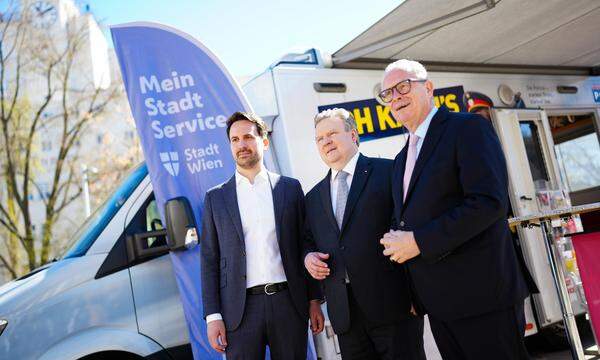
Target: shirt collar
<point>422,129</point>
<point>349,168</point>
<point>260,177</point>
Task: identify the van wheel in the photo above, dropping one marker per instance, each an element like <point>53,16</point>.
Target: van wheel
<point>112,355</point>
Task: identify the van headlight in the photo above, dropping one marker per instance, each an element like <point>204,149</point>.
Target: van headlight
<point>3,324</point>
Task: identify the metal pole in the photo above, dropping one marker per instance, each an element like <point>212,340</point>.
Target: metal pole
<point>86,191</point>
<point>561,288</point>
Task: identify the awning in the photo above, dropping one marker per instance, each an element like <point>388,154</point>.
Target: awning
<point>532,36</point>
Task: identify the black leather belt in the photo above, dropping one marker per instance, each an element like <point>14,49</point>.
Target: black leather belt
<point>268,289</point>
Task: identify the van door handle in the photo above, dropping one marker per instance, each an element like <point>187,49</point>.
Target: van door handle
<point>523,197</point>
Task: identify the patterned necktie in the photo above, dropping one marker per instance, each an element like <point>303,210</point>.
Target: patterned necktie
<point>342,196</point>
<point>411,159</point>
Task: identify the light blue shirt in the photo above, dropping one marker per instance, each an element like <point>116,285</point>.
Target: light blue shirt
<point>422,129</point>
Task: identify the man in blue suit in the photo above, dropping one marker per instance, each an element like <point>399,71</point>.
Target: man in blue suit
<point>450,196</point>
<point>368,299</point>
<point>254,290</point>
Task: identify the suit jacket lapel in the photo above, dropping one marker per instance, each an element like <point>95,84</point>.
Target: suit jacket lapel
<point>359,179</point>
<point>434,133</point>
<point>230,196</point>
<point>278,194</point>
<point>325,192</point>
<point>399,176</point>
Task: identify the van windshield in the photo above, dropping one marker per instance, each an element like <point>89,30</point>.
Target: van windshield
<point>83,238</point>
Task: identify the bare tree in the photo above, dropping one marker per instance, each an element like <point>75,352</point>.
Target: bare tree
<point>45,95</point>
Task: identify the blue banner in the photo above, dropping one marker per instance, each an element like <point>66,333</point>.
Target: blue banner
<point>180,96</point>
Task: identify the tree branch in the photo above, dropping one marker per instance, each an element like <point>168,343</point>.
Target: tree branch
<point>8,224</point>
<point>39,190</point>
<point>67,201</point>
<point>8,267</point>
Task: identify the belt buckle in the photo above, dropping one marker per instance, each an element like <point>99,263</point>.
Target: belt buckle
<point>267,291</point>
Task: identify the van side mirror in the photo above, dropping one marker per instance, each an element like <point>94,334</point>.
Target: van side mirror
<point>181,228</point>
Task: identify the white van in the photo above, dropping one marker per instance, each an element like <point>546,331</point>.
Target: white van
<point>113,293</point>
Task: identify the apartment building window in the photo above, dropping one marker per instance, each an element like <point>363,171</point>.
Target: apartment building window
<point>46,146</point>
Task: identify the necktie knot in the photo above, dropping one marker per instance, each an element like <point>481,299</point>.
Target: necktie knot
<point>413,140</point>
<point>341,176</point>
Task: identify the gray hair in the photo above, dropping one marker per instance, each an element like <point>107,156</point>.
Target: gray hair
<point>342,114</point>
<point>409,66</point>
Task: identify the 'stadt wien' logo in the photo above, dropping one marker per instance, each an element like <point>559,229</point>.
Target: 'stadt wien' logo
<point>170,161</point>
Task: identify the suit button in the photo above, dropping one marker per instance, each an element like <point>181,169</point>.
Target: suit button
<point>402,223</point>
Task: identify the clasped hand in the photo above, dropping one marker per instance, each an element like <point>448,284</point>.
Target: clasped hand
<point>400,246</point>
<point>316,265</point>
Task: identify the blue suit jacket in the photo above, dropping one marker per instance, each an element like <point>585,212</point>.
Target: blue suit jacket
<point>222,247</point>
<point>456,206</point>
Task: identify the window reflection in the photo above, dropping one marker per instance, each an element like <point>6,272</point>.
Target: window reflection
<point>531,138</point>
<point>579,162</point>
<point>577,151</point>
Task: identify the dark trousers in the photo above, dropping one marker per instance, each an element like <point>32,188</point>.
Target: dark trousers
<point>495,335</point>
<point>364,340</point>
<point>269,320</point>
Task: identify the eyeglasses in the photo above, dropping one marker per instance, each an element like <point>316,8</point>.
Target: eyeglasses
<point>403,88</point>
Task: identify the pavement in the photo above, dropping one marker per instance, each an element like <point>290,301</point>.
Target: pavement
<point>561,355</point>
<point>587,340</point>
<point>536,349</point>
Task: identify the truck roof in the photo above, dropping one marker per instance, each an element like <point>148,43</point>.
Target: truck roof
<point>508,36</point>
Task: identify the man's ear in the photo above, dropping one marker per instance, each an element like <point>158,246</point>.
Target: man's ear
<point>429,87</point>
<point>266,143</point>
<point>354,135</point>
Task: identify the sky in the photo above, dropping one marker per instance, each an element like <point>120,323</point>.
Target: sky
<point>250,35</point>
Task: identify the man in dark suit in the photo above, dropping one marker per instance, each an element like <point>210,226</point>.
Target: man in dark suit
<point>254,289</point>
<point>368,298</point>
<point>451,197</point>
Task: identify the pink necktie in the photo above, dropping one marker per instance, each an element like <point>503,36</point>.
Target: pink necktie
<point>411,159</point>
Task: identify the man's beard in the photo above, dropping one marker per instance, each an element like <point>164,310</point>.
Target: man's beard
<point>247,162</point>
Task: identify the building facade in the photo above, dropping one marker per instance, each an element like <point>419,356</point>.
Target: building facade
<point>108,143</point>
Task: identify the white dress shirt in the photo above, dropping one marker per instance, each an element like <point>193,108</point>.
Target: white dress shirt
<point>263,258</point>
<point>255,202</point>
<point>422,129</point>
